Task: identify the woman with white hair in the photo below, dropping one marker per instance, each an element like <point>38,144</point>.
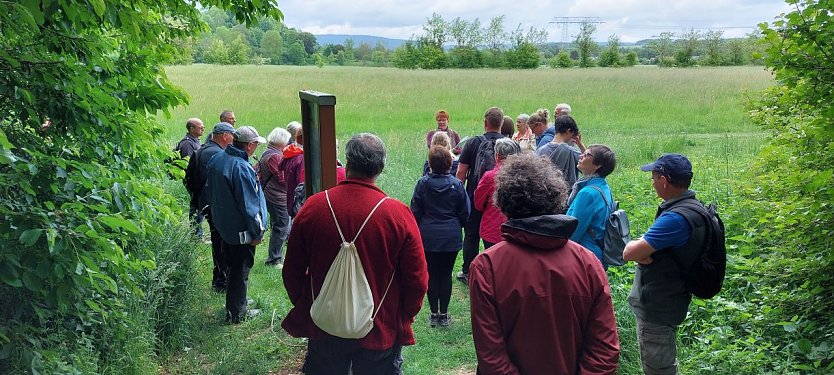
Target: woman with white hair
<point>524,136</point>
<point>275,191</point>
<point>442,139</point>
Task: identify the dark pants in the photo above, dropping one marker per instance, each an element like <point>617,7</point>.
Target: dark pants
<point>338,356</point>
<point>471,239</point>
<point>196,217</point>
<point>218,277</point>
<point>240,259</point>
<point>440,265</point>
<point>279,221</point>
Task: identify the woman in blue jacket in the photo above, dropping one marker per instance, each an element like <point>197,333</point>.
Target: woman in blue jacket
<point>441,207</point>
<point>591,199</point>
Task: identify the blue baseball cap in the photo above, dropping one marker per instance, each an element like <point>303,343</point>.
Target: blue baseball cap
<point>674,166</point>
<point>223,127</point>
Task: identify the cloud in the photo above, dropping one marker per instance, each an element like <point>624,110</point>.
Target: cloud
<point>631,20</point>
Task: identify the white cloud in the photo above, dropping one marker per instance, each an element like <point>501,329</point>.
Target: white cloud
<point>631,20</point>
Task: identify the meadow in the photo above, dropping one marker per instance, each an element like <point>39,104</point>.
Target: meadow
<point>640,112</point>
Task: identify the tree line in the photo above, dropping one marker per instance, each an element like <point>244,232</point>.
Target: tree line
<point>460,44</point>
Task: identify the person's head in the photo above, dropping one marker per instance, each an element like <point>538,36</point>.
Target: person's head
<point>507,126</point>
<point>278,137</point>
<point>441,139</point>
<point>222,134</point>
<point>521,122</point>
<point>227,116</point>
<point>561,109</point>
<point>247,139</point>
<point>294,128</point>
<point>597,159</point>
<point>493,119</point>
<point>442,119</point>
<point>504,147</point>
<point>671,175</point>
<point>538,122</point>
<point>566,125</point>
<point>195,127</point>
<point>528,185</point>
<point>364,156</point>
<point>440,159</point>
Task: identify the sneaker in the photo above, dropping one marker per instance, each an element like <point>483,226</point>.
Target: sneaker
<point>444,320</point>
<point>250,313</point>
<point>434,319</point>
<point>463,277</point>
<point>250,302</point>
<point>280,265</point>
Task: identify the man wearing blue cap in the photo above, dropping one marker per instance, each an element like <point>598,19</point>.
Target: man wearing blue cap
<point>659,298</point>
<point>238,207</point>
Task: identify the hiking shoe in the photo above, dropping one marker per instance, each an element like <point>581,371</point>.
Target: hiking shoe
<point>444,320</point>
<point>250,313</point>
<point>464,277</point>
<point>434,319</point>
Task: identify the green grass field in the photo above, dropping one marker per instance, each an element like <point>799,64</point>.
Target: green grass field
<point>639,112</point>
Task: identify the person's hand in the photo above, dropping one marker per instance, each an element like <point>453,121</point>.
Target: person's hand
<point>645,261</point>
<point>577,138</point>
<point>255,242</point>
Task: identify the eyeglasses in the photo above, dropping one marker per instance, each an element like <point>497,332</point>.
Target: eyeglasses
<point>586,154</point>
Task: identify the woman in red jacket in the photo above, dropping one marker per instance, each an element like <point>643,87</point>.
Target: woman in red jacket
<point>493,218</point>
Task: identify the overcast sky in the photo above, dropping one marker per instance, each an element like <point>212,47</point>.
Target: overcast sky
<point>631,20</point>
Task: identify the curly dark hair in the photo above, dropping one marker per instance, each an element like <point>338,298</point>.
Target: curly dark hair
<point>528,185</point>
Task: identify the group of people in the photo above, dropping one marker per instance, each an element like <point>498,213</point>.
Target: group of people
<point>537,198</point>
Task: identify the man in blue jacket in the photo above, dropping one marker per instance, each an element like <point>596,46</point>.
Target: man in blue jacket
<point>239,211</point>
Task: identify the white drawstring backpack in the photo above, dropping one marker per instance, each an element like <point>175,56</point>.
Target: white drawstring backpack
<point>345,306</point>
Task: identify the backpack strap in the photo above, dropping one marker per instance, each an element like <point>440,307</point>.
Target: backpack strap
<point>609,206</point>
<point>610,210</point>
<point>699,210</point>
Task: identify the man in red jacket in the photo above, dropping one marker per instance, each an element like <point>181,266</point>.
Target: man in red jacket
<point>390,250</point>
<point>540,302</point>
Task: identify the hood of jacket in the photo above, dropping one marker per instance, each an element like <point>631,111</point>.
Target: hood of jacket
<point>293,150</point>
<point>439,183</point>
<point>540,232</point>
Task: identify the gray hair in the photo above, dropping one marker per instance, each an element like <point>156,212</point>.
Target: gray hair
<point>365,155</point>
<point>294,127</point>
<point>505,147</point>
<point>494,117</point>
<point>561,109</point>
<point>278,137</point>
<point>523,117</point>
<point>224,116</point>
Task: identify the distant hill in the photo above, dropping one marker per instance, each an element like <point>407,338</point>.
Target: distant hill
<point>359,39</point>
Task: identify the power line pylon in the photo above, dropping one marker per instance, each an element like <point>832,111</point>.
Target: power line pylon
<point>565,22</point>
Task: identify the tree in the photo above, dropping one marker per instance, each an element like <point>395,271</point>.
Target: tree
<point>611,55</point>
<point>217,53</point>
<point>406,56</point>
<point>309,42</point>
<point>524,56</point>
<point>436,31</point>
<point>239,51</point>
<point>272,46</point>
<point>563,60</point>
<point>688,44</point>
<point>585,44</point>
<point>295,55</point>
<point>80,163</point>
<point>631,58</point>
<point>714,46</point>
<point>494,35</point>
<point>662,45</point>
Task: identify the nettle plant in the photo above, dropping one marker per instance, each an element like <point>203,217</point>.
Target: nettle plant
<point>81,153</point>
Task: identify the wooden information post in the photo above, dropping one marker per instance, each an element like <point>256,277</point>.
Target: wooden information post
<point>318,122</point>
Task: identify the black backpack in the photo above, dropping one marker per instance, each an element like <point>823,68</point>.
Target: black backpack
<point>192,175</point>
<point>485,158</point>
<point>299,197</point>
<point>705,276</point>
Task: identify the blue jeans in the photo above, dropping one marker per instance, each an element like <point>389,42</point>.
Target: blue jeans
<point>279,221</point>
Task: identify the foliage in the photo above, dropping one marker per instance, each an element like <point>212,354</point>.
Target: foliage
<point>79,163</point>
<point>663,47</point>
<point>524,56</point>
<point>794,188</point>
<point>585,44</point>
<point>631,58</point>
<point>611,55</point>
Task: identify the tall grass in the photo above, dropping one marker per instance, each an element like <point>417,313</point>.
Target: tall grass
<point>639,112</point>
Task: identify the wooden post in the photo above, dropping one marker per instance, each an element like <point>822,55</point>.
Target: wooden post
<point>318,122</point>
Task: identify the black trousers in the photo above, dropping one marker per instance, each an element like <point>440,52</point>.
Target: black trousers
<point>471,239</point>
<point>440,265</point>
<point>218,277</point>
<point>240,259</point>
<point>338,356</point>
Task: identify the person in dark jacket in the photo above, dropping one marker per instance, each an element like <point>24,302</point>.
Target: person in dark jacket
<point>292,166</point>
<point>220,138</point>
<point>441,207</point>
<point>442,139</point>
<point>541,303</point>
<point>188,145</point>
